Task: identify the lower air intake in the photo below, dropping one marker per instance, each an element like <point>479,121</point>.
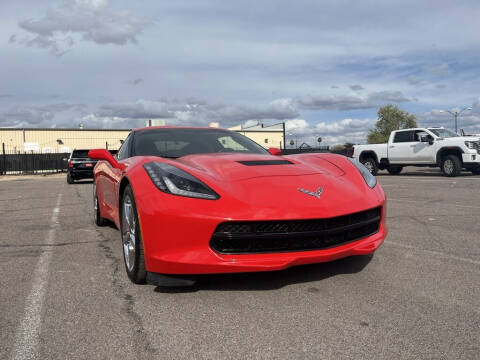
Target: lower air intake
<point>249,237</point>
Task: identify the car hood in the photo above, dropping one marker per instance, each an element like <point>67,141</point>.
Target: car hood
<point>236,167</point>
<point>461,139</point>
<point>264,189</point>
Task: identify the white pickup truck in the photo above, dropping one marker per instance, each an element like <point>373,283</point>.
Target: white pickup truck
<point>432,147</point>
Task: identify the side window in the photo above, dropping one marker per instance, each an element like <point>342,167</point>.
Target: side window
<point>124,151</point>
<point>419,134</point>
<point>228,143</point>
<point>403,136</point>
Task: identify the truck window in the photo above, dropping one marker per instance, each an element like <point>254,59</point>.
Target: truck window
<point>403,136</point>
<point>419,134</point>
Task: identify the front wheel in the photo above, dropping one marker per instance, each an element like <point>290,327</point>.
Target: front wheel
<point>97,217</point>
<point>131,238</point>
<point>395,170</point>
<point>451,166</point>
<point>371,165</point>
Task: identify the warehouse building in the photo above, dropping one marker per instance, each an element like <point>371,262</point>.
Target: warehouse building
<point>53,140</point>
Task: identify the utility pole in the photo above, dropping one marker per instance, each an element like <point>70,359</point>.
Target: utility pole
<point>456,114</point>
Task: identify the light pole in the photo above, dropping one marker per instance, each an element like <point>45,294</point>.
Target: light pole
<point>456,114</point>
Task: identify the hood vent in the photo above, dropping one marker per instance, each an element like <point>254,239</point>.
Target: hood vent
<point>264,162</point>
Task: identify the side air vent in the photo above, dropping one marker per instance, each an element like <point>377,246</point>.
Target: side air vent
<point>264,162</point>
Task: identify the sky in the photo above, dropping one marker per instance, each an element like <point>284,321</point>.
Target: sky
<point>322,67</point>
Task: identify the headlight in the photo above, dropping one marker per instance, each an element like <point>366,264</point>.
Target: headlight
<point>369,178</point>
<point>471,145</point>
<point>173,180</point>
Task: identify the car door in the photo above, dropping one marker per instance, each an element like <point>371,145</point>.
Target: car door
<point>113,177</point>
<point>423,152</point>
<point>400,151</point>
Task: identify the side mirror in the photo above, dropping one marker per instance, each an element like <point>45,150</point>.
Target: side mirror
<point>427,138</point>
<point>275,151</point>
<point>102,154</point>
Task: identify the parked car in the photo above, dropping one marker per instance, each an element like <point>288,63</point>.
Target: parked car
<point>432,147</point>
<point>80,166</point>
<point>193,201</point>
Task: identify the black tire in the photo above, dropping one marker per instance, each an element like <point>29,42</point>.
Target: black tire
<point>97,217</point>
<point>371,165</point>
<point>134,262</point>
<point>70,179</point>
<point>395,170</point>
<point>451,166</point>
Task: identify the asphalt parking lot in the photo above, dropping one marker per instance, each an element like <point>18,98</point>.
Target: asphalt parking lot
<point>64,292</point>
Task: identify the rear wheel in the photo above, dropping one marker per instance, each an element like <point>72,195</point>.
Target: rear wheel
<point>371,165</point>
<point>97,217</point>
<point>70,179</point>
<point>131,238</point>
<point>395,170</point>
<point>451,166</point>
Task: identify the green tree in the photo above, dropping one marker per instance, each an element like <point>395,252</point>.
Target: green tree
<point>390,118</point>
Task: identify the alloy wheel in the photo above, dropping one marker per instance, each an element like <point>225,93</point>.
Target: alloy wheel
<point>369,166</point>
<point>128,232</point>
<point>95,202</point>
<point>448,166</point>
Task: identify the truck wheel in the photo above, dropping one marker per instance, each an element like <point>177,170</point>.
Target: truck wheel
<point>395,170</point>
<point>451,166</point>
<point>371,165</point>
<point>70,179</point>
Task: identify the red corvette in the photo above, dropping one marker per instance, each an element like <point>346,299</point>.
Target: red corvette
<point>205,200</point>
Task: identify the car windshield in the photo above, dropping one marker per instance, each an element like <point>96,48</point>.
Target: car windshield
<point>174,143</point>
<point>443,133</point>
<point>80,154</point>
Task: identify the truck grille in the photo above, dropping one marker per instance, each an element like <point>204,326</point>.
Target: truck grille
<point>247,237</point>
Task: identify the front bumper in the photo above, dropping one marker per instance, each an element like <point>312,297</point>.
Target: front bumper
<point>177,241</point>
<point>82,173</point>
<point>471,158</point>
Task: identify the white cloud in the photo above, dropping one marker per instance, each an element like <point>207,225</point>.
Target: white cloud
<point>357,87</point>
<point>469,121</point>
<point>89,19</point>
<point>336,132</point>
<point>298,126</point>
<point>351,102</point>
<point>415,81</point>
<point>439,70</point>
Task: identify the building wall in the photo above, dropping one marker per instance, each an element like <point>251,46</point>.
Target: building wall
<point>267,139</point>
<point>45,140</point>
<point>266,136</point>
<point>48,140</point>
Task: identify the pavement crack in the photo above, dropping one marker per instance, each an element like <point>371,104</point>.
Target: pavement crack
<point>128,300</point>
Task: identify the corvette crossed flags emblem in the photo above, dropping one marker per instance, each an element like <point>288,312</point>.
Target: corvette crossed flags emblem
<point>316,194</point>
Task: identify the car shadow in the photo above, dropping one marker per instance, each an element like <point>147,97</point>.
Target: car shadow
<point>273,280</point>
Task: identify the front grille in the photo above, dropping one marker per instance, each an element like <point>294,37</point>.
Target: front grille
<point>246,237</point>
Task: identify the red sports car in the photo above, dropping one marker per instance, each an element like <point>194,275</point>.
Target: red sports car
<point>205,200</point>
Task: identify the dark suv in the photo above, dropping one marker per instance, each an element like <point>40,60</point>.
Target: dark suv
<point>80,166</point>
